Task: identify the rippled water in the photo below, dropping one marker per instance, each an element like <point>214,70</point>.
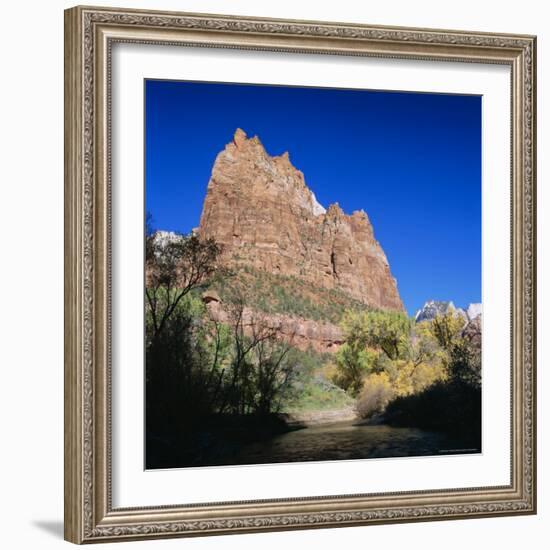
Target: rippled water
<point>345,441</point>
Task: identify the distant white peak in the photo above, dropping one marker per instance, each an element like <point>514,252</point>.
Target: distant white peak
<point>165,237</point>
<point>473,311</point>
<point>432,308</point>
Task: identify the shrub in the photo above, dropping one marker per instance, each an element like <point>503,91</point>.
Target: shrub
<point>376,394</point>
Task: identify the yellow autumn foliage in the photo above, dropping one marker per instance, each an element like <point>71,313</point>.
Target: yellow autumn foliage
<point>412,378</point>
<point>377,392</point>
<point>386,356</point>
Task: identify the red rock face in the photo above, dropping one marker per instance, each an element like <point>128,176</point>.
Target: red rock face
<point>301,333</point>
<point>261,210</point>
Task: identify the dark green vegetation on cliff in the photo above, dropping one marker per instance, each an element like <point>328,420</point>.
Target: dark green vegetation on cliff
<point>286,295</point>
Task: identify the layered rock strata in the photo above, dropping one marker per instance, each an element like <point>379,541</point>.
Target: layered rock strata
<point>261,210</point>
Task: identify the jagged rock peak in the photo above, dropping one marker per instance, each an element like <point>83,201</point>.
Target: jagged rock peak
<point>261,210</point>
<point>239,137</point>
<point>285,156</point>
<point>334,210</point>
<point>360,215</point>
<point>241,141</point>
<point>244,156</point>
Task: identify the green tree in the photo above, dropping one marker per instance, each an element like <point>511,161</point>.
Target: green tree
<point>367,334</point>
<point>465,364</point>
<point>182,362</point>
<point>388,331</point>
<point>447,329</point>
<point>462,359</point>
<point>354,361</point>
<point>260,370</point>
<point>174,266</point>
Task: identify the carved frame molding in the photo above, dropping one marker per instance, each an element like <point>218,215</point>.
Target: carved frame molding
<point>89,35</point>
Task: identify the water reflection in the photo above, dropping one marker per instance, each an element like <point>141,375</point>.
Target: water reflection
<point>344,441</point>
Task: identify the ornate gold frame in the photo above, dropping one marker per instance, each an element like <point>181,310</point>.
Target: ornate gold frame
<point>89,35</point>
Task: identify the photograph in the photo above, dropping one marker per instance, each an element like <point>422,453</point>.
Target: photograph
<point>312,274</point>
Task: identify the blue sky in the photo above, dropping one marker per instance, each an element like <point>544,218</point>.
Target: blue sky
<point>412,161</point>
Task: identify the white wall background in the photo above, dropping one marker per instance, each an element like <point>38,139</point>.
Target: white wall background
<point>31,276</point>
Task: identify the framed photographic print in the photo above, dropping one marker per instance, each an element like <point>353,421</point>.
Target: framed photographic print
<point>300,274</point>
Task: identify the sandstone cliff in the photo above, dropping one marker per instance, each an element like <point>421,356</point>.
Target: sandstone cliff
<point>261,210</point>
<point>301,333</point>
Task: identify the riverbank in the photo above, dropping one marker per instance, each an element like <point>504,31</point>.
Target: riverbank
<point>320,417</point>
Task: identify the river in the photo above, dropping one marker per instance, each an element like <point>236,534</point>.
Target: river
<point>344,440</point>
